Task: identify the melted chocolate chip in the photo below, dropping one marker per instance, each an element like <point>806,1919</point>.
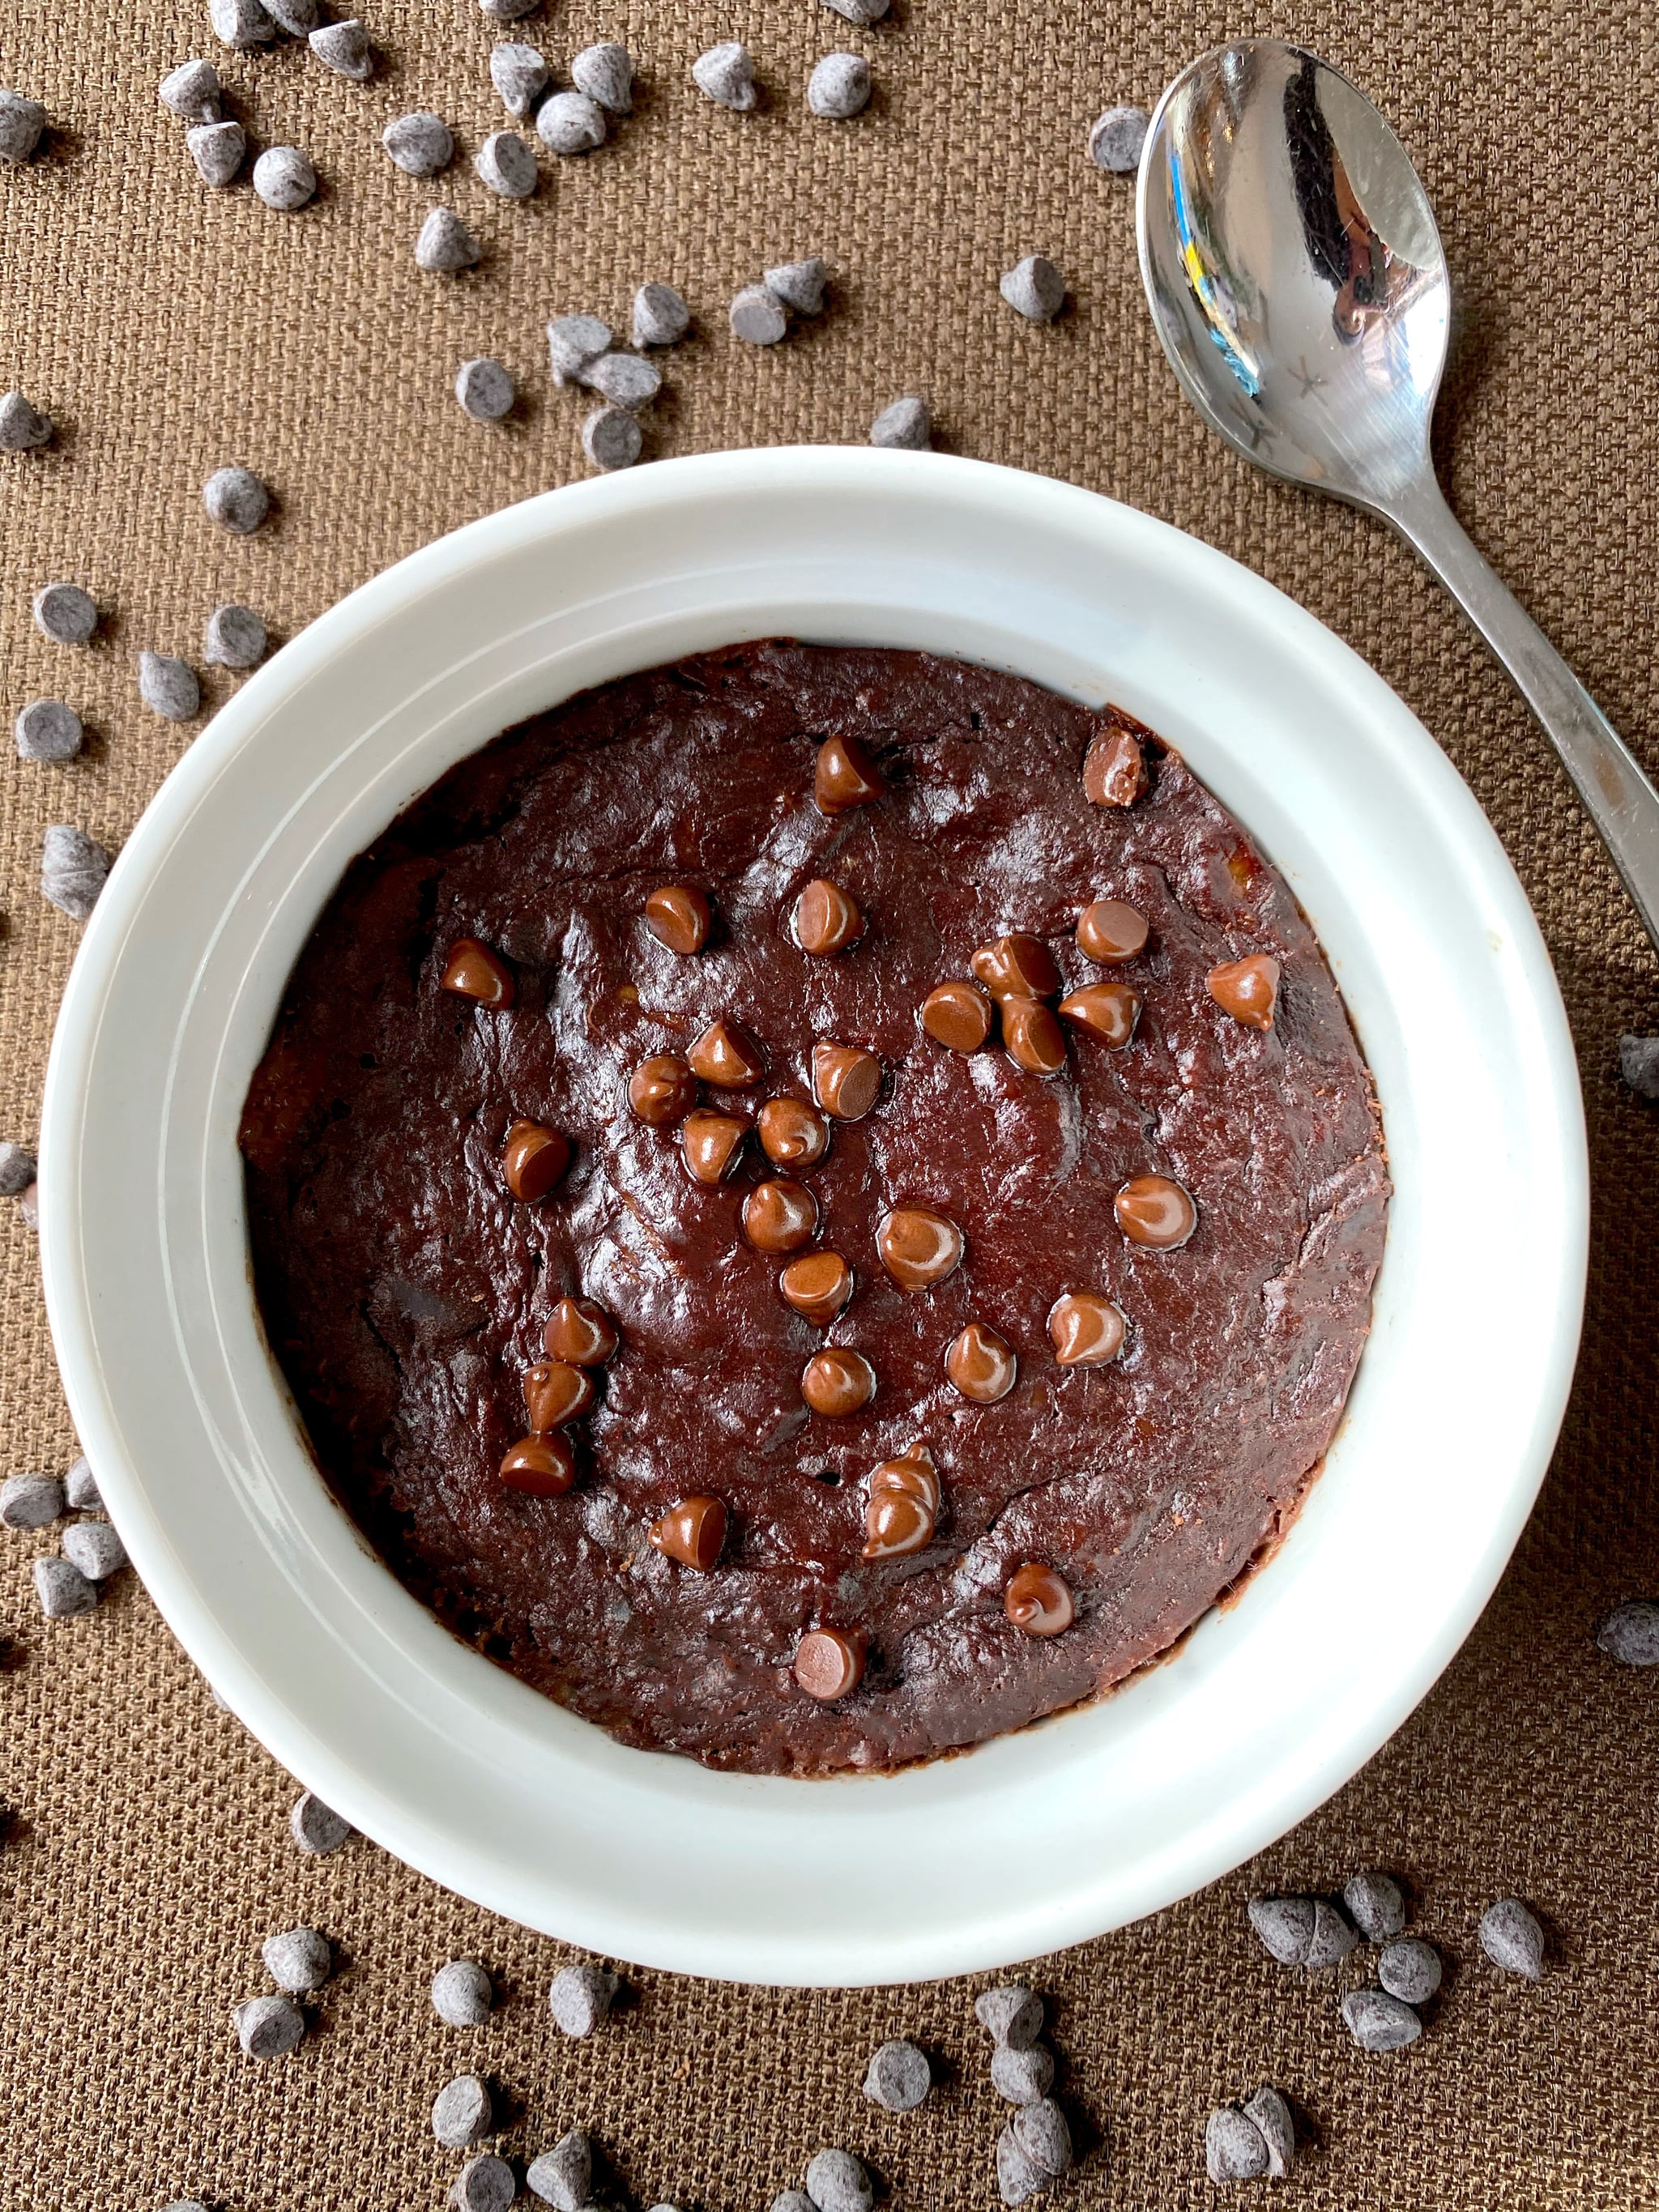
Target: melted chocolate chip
<point>1247,989</point>
<point>1017,967</point>
<point>678,915</point>
<point>817,1286</point>
<point>555,1391</point>
<point>1107,1011</point>
<point>1114,768</point>
<point>662,1089</point>
<point>837,1382</point>
<point>826,918</point>
<point>918,1247</point>
<point>981,1364</point>
<point>580,1333</point>
<point>1086,1329</point>
<point>693,1532</point>
<point>475,972</point>
<point>779,1215</point>
<point>533,1159</point>
<point>845,1080</point>
<point>793,1134</point>
<point>958,1016</point>
<point>1154,1211</point>
<point>1032,1038</point>
<point>1111,930</point>
<point>843,776</point>
<point>1038,1601</point>
<point>829,1664</point>
<point>712,1143</point>
<point>726,1057</point>
<point>542,1467</point>
<point>902,1512</point>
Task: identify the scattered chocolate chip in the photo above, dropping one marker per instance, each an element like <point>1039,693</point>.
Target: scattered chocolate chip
<point>612,438</point>
<point>1409,1969</point>
<point>474,971</point>
<point>828,1664</point>
<point>902,1511</point>
<point>1017,967</point>
<point>17,1171</point>
<point>95,1548</point>
<point>956,1016</point>
<point>1331,1938</point>
<point>837,1382</point>
<point>316,1827</point>
<point>555,1393</point>
<point>605,74</point>
<point>540,1466</point>
<point>506,165</point>
<point>343,47</point>
<point>817,1286</point>
<point>1375,1905</point>
<point>800,284</point>
<point>981,1364</point>
<point>520,75</point>
<point>1111,930</point>
<point>1116,137</point>
<point>779,1215</point>
<point>1041,2132</point>
<point>1017,2178</point>
<point>793,1134</point>
<point>727,75</point>
<point>839,87</point>
<point>1034,287</point>
<point>1247,989</point>
<point>1012,2015</point>
<point>80,1485</point>
<point>507,11</point>
<point>462,1995</point>
<point>1032,1037</point>
<point>533,1159</point>
<point>218,150</point>
<point>726,1057</point>
<point>484,389</point>
<point>918,1247</point>
<point>906,424</point>
<point>678,916</point>
<point>693,1532</point>
<point>445,243</point>
<point>22,426</point>
<point>1155,1212</point>
<point>73,869</point>
<point>1234,2146</point>
<point>845,1080</point>
<point>661,1090</point>
<point>1284,1925</point>
<point>486,2182</point>
<point>1271,2115</point>
<point>267,2027</point>
<point>843,776</point>
<point>570,123</point>
<point>862,12</point>
<point>169,687</point>
<point>1107,1011</point>
<point>836,2182</point>
<point>1512,1939</point>
<point>65,614</point>
<point>1021,2077</point>
<point>825,918</point>
<point>661,316</point>
<point>298,1960</point>
<point>241,24</point>
<point>31,1501</point>
<point>48,731</point>
<point>1377,2021</point>
<point>1639,1063</point>
<point>235,638</point>
<point>193,91</point>
<point>1038,1601</point>
<point>461,2112</point>
<point>1631,1634</point>
<point>420,145</point>
<point>898,2077</point>
<point>62,1590</point>
<point>756,318</point>
<point>581,1332</point>
<point>712,1145</point>
<point>580,1996</point>
<point>236,500</point>
<point>297,17</point>
<point>284,178</point>
<point>21,122</point>
<point>563,2177</point>
<point>1086,1329</point>
<point>1114,768</point>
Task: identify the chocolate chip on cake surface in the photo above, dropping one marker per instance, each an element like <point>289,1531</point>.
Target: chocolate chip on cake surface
<point>1247,989</point>
<point>1115,766</point>
<point>1409,1969</point>
<point>485,2184</point>
<point>555,1394</point>
<point>1010,2014</point>
<point>49,731</point>
<point>18,1169</point>
<point>661,1090</point>
<point>757,316</point>
<point>1271,2115</point>
<point>267,2026</point>
<point>726,74</point>
<point>581,1332</point>
<point>661,316</point>
<point>958,1016</point>
<point>343,47</point>
<point>299,1960</point>
<point>818,1285</point>
<point>1034,287</point>
<point>678,916</point>
<point>316,1827</point>
<point>1107,1012</point>
<point>836,2182</point>
<point>612,438</point>
<point>825,918</point>
<point>1032,1037</point>
<point>837,1382</point>
<point>506,165</point>
<point>906,425</point>
<point>235,638</point>
<point>475,971</point>
<point>461,2112</point>
<point>1234,2146</point>
<point>1039,1602</point>
<point>540,1466</point>
<point>1116,137</point>
<point>829,1664</point>
<point>843,776</point>
<point>793,1134</point>
<point>1111,930</point>
<point>580,1996</point>
<point>284,178</point>
<point>95,1548</point>
<point>918,1247</point>
<point>839,87</point>
<point>605,73</point>
<point>193,91</point>
<point>65,614</point>
<point>1086,1328</point>
<point>845,1080</point>
<point>779,1215</point>
<point>712,1145</point>
<point>1511,1938</point>
<point>22,426</point>
<point>903,1509</point>
<point>169,687</point>
<point>1021,2077</point>
<point>445,244</point>
<point>31,1501</point>
<point>726,1057</point>
<point>980,1364</point>
<point>534,1159</point>
<point>898,2076</point>
<point>419,144</point>
<point>570,123</point>
<point>1375,1904</point>
<point>1155,1212</point>
<point>1631,1634</point>
<point>21,122</point>
<point>1379,2022</point>
<point>1016,967</point>
<point>74,868</point>
<point>563,2177</point>
<point>462,1994</point>
<point>693,1532</point>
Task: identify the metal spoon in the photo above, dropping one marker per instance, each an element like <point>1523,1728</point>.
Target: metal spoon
<point>1299,284</point>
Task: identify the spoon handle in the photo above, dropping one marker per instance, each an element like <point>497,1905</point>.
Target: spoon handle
<point>1622,802</point>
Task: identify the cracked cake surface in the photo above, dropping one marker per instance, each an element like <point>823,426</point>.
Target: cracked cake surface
<point>1164,1246</point>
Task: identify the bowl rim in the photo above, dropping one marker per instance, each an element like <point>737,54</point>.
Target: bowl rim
<point>1215,1845</point>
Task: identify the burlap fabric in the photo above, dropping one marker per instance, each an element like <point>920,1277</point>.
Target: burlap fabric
<point>168,331</point>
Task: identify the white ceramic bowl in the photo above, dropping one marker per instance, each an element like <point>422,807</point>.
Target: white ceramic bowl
<point>1033,1841</point>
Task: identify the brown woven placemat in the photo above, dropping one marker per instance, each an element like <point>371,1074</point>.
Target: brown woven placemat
<point>168,331</point>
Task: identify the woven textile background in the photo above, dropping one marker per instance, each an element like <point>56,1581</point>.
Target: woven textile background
<point>168,331</point>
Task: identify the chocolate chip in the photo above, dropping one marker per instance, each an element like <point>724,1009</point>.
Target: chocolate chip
<point>1375,1904</point>
<point>727,75</point>
<point>612,438</point>
<point>236,500</point>
<point>918,1247</point>
<point>898,2077</point>
<point>779,1215</point>
<point>825,918</point>
<point>563,2177</point>
<point>1032,1037</point>
<point>580,1996</point>
<point>21,122</point>
<point>845,1080</point>
<point>484,2184</point>
<point>581,1332</point>
<point>22,426</point>
<point>461,1995</point>
<point>235,638</point>
<point>520,75</point>
<point>905,425</point>
<point>570,123</point>
<point>28,1207</point>
<point>726,1057</point>
<point>17,1171</point>
<point>836,2182</point>
<point>1086,1329</point>
<point>48,731</point>
<point>297,17</point>
<point>555,1393</point>
<point>1111,930</point>
<point>862,12</point>
<point>678,916</point>
<point>793,1134</point>
<point>65,614</point>
<point>904,1505</point>
<point>1377,2021</point>
<point>506,165</point>
<point>1021,2077</point>
<point>1116,137</point>
<point>817,1286</point>
<point>837,1382</point>
<point>62,1589</point>
<point>661,316</point>
<point>756,318</point>
<point>1017,2178</point>
<point>284,178</point>
<point>81,1486</point>
<point>1107,1011</point>
<point>828,1665</point>
<point>1034,287</point>
<point>507,11</point>
<point>95,1548</point>
<point>839,87</point>
<point>218,150</point>
<point>605,74</point>
<point>956,1016</point>
<point>1332,1937</point>
<point>1017,967</point>
<point>1010,2014</point>
<point>1284,1925</point>
<point>693,1532</point>
<point>343,47</point>
<point>420,145</point>
<point>475,971</point>
<point>1512,1939</point>
<point>800,284</point>
<point>31,1501</point>
<point>445,244</point>
<point>661,1090</point>
<point>533,1159</point>
<point>268,2028</point>
<point>241,24</point>
<point>1041,2131</point>
<point>1234,2146</point>
<point>461,2112</point>
<point>1631,1634</point>
<point>792,2200</point>
<point>712,1145</point>
<point>1038,1601</point>
<point>169,687</point>
<point>1247,989</point>
<point>298,1960</point>
<point>316,1827</point>
<point>540,1466</point>
<point>1271,2115</point>
<point>1155,1212</point>
<point>980,1365</point>
<point>1409,1969</point>
<point>73,869</point>
<point>1114,768</point>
